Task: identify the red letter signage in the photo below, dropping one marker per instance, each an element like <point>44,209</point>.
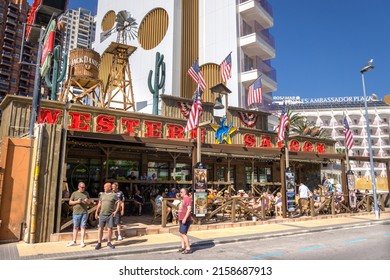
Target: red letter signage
<point>175,131</point>
<point>105,124</point>
<point>79,121</point>
<point>249,140</point>
<point>48,116</point>
<point>295,145</point>
<point>308,146</point>
<point>153,129</point>
<point>265,141</point>
<point>320,148</point>
<point>131,126</point>
<point>194,134</point>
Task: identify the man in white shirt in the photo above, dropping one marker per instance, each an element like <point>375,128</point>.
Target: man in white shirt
<point>304,194</point>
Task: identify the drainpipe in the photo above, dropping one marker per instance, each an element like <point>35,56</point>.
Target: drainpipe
<point>34,204</point>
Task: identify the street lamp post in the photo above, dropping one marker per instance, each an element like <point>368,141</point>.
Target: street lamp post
<point>366,68</point>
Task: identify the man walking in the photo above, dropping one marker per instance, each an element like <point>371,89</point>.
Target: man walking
<point>185,221</point>
<point>106,210</point>
<point>79,200</point>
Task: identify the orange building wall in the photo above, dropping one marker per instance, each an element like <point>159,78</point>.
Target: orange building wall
<point>14,164</point>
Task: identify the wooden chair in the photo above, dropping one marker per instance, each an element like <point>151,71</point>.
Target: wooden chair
<point>156,211</point>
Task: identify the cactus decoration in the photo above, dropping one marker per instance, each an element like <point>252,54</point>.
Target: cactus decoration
<point>158,83</point>
<point>56,77</point>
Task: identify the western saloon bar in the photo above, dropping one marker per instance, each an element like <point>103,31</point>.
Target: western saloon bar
<point>74,142</point>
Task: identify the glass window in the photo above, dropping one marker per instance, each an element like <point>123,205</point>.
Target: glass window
<point>183,172</point>
<point>261,174</point>
<point>85,170</point>
<point>121,169</point>
<point>221,173</point>
<point>159,169</point>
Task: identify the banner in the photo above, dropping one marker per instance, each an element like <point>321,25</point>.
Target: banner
<point>48,47</point>
<point>200,192</point>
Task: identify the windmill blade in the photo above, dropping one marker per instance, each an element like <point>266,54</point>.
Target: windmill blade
<point>105,34</point>
<point>122,16</point>
<point>126,26</point>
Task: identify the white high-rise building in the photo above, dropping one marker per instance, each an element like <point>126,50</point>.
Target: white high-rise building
<point>327,113</point>
<point>186,30</point>
<point>80,28</point>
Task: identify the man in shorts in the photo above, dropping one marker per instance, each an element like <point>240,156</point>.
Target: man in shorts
<point>121,212</point>
<point>79,200</point>
<point>185,221</point>
<point>106,210</point>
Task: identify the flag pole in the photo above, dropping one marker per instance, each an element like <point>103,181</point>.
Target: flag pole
<point>346,148</point>
<point>286,143</point>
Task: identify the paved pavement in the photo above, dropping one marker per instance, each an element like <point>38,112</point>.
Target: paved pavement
<point>199,238</point>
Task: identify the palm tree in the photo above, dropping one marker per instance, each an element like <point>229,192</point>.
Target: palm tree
<point>298,125</point>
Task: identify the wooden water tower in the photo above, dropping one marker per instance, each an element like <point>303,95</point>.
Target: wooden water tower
<point>83,84</point>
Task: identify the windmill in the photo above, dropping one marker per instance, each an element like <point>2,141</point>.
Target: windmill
<point>126,26</point>
<point>115,68</point>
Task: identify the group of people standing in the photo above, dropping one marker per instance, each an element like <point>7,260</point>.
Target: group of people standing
<point>109,210</point>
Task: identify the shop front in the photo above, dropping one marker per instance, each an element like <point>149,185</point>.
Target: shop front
<point>142,151</point>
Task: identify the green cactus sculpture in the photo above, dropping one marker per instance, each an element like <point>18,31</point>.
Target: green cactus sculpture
<point>158,83</point>
<point>53,85</point>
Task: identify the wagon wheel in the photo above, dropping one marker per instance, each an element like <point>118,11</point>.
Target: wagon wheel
<point>92,221</point>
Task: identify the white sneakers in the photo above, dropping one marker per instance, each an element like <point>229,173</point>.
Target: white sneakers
<point>73,243</point>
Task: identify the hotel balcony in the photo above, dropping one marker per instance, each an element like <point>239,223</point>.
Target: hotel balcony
<point>257,10</point>
<point>24,77</point>
<point>8,46</point>
<point>252,69</point>
<point>5,72</point>
<point>257,41</point>
<point>25,69</point>
<point>7,54</point>
<point>12,14</point>
<point>5,62</point>
<point>10,29</point>
<point>23,86</point>
<point>12,22</point>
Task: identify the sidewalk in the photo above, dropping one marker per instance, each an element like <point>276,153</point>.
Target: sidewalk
<point>199,238</point>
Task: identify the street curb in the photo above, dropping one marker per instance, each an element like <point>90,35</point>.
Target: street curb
<point>208,243</point>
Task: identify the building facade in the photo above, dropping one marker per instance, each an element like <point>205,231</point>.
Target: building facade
<point>15,78</point>
<point>80,27</point>
<point>79,30</point>
<point>328,113</point>
<point>207,31</point>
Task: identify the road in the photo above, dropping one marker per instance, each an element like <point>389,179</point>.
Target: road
<point>368,242</point>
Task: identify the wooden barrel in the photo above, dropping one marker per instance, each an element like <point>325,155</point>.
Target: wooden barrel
<point>84,65</point>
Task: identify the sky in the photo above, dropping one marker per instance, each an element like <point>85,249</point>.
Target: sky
<point>322,45</point>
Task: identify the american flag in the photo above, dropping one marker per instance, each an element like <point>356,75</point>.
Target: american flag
<point>283,122</point>
<point>348,134</point>
<point>196,111</point>
<point>197,75</point>
<point>226,68</point>
<point>255,92</point>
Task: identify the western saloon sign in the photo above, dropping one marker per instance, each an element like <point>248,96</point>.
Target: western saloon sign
<point>141,126</point>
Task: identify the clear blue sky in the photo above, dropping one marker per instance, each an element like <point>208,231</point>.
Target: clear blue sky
<point>322,45</point>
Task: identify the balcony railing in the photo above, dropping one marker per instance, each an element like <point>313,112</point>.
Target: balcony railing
<point>262,33</point>
<point>262,66</point>
<point>264,4</point>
